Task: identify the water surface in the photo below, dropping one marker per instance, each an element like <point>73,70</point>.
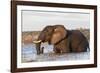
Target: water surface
<point>29,54</point>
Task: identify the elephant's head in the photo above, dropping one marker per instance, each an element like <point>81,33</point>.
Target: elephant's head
<point>46,34</point>
<point>53,34</point>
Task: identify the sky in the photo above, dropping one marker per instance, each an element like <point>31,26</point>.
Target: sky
<point>37,20</point>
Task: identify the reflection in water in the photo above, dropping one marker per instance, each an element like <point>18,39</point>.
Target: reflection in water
<point>29,54</point>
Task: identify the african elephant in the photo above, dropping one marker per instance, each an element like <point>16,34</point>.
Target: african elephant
<point>64,40</point>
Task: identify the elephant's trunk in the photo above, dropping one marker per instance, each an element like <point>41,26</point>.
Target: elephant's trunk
<point>41,37</point>
<point>38,44</point>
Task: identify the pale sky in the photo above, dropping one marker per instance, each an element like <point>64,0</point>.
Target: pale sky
<point>37,20</point>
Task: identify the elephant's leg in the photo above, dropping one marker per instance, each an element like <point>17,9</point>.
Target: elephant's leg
<point>41,50</point>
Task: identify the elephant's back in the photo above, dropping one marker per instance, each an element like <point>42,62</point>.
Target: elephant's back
<point>76,34</point>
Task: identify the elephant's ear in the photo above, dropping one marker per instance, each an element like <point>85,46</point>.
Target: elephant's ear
<point>59,34</point>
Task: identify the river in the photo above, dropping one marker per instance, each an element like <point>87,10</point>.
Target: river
<point>29,54</point>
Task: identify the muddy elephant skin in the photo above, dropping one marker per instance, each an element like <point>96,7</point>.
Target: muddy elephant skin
<point>64,40</point>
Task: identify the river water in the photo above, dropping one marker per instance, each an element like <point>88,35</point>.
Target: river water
<point>29,54</point>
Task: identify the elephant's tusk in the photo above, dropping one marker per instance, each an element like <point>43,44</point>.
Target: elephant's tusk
<point>37,41</point>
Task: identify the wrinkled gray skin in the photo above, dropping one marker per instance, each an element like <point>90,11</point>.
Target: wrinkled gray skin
<point>64,40</point>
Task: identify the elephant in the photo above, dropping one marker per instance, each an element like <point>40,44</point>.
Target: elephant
<point>64,40</point>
